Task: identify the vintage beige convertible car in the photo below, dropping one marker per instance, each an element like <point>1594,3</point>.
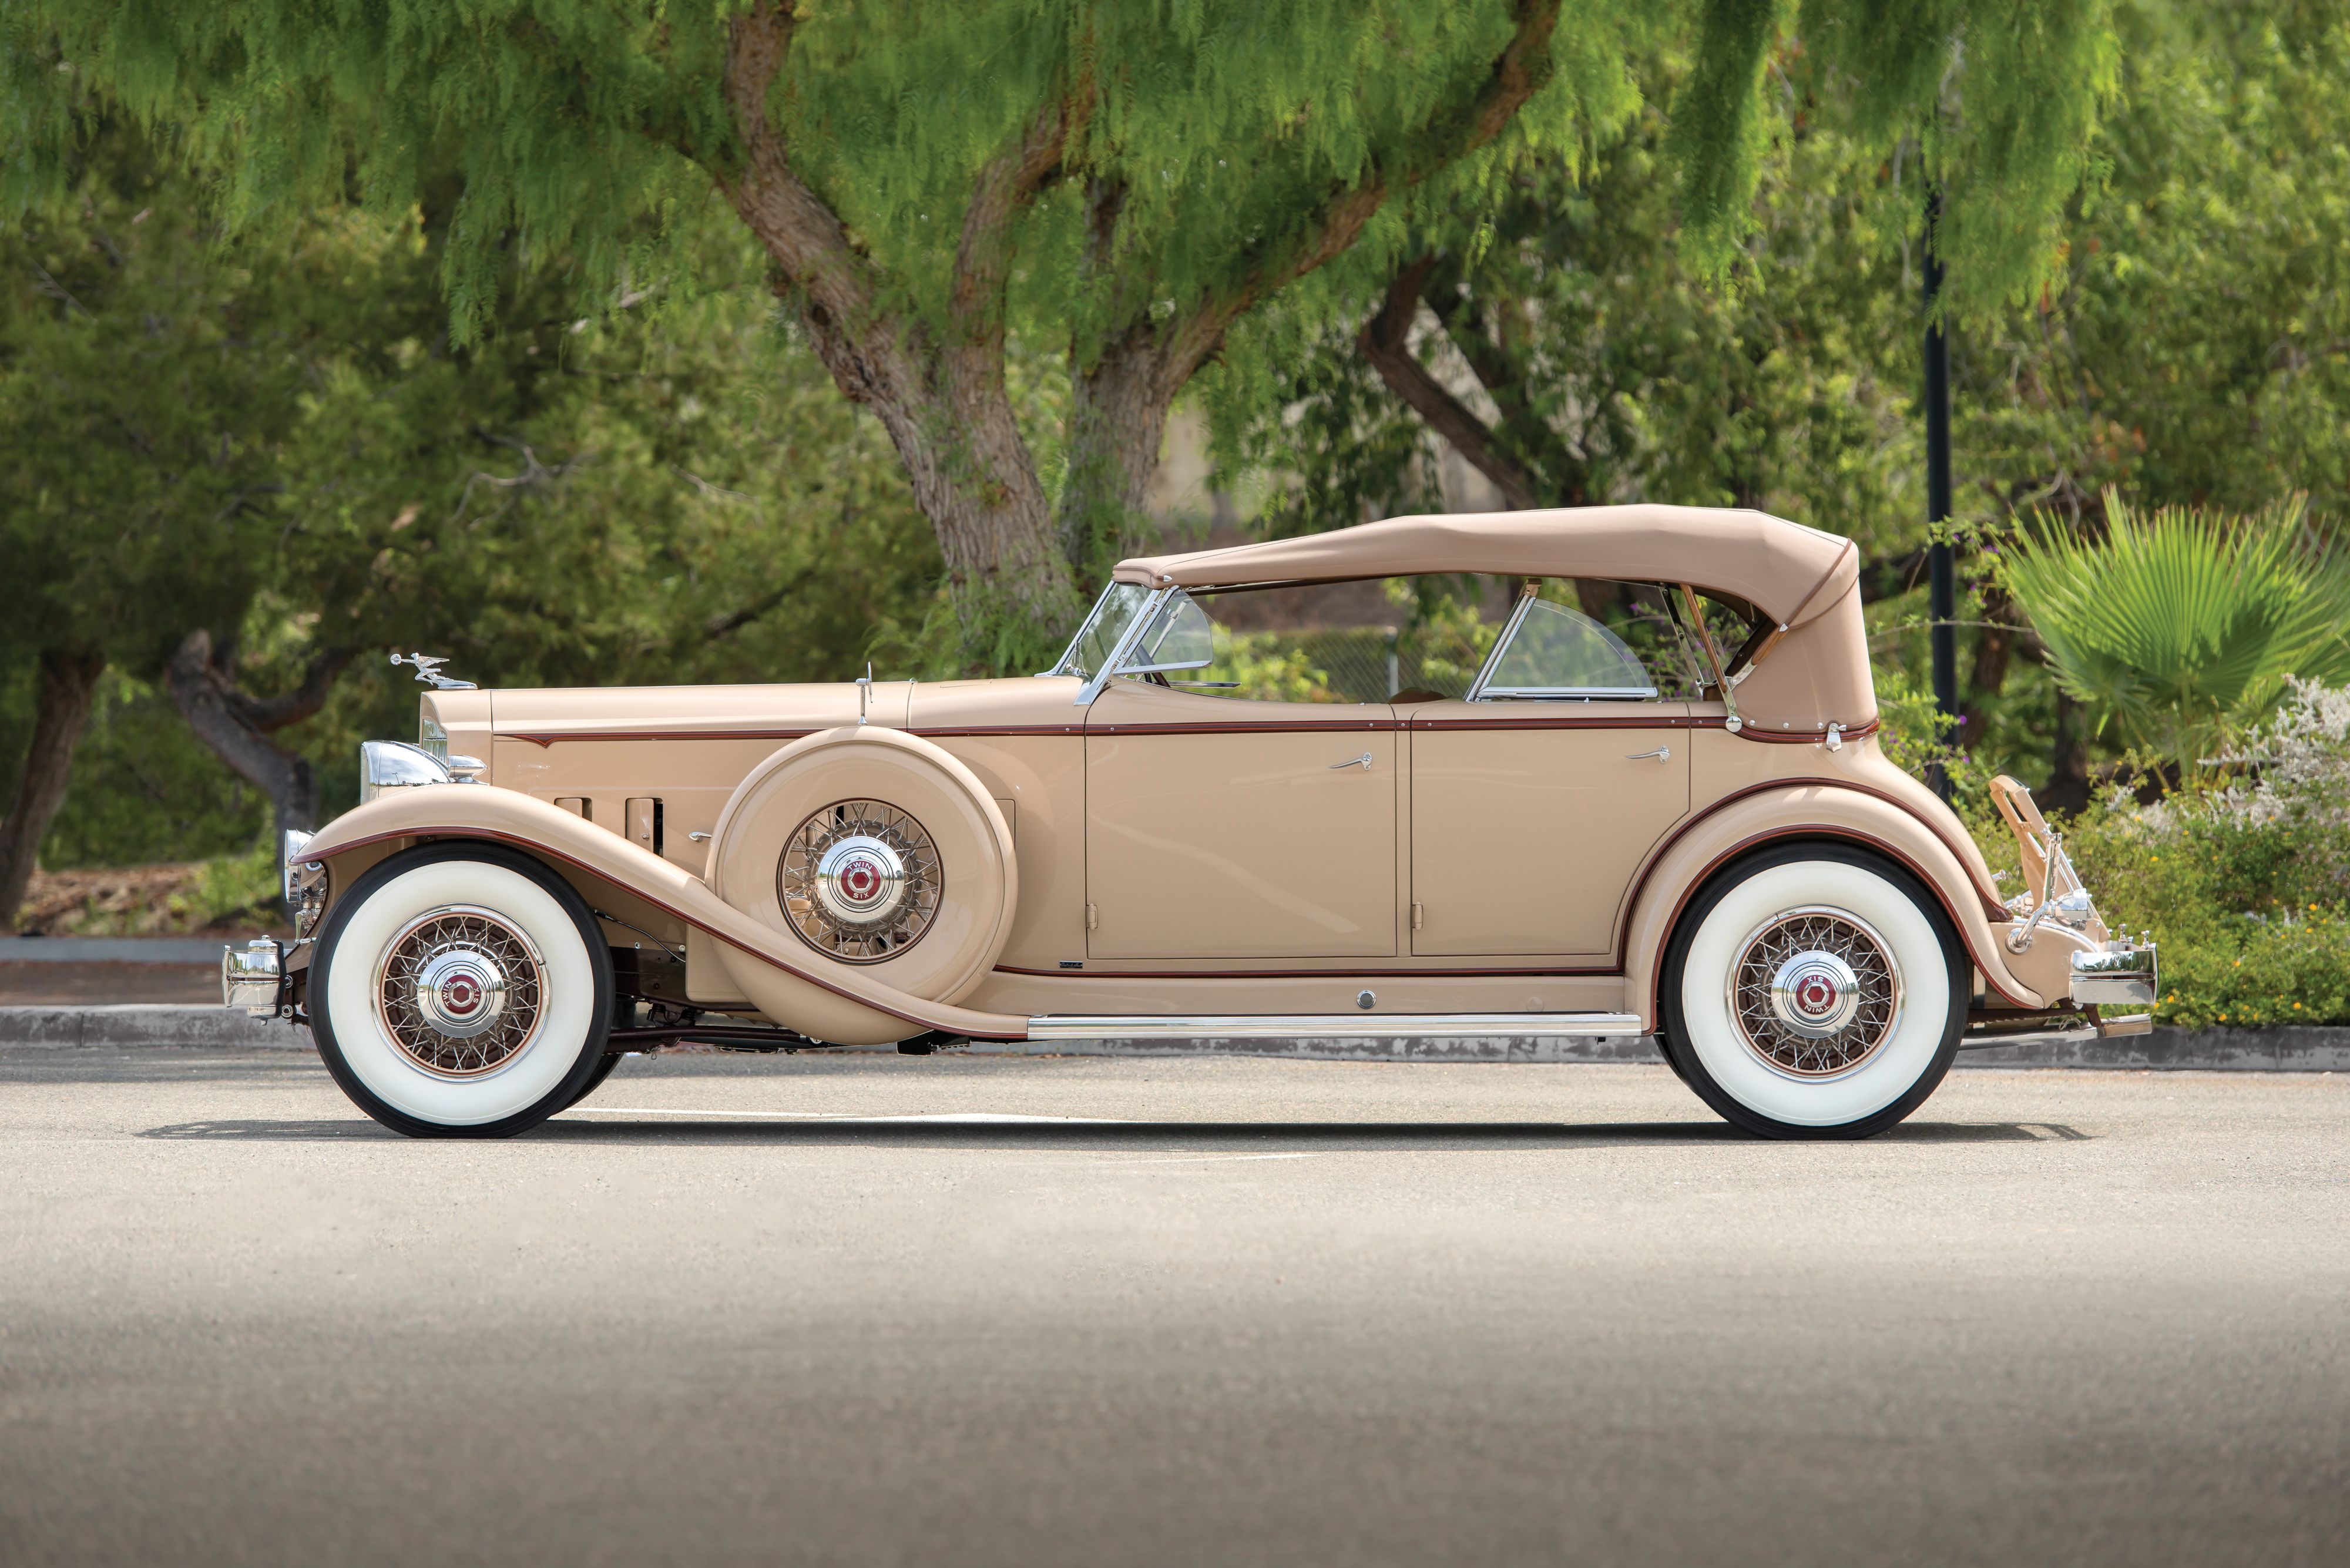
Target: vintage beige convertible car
<point>1657,807</point>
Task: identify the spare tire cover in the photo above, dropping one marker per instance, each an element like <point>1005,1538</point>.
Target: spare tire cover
<point>879,853</point>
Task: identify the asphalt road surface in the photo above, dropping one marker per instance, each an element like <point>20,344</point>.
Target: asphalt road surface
<point>981,1310</point>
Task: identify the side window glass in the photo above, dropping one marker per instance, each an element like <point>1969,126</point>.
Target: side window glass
<point>1551,650</point>
<point>1177,638</point>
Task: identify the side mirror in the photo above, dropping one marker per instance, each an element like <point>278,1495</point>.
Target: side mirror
<point>1180,638</point>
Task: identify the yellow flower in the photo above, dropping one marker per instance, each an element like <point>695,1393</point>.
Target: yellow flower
<point>2296,1007</point>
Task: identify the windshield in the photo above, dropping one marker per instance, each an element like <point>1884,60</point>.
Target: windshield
<point>1089,651</point>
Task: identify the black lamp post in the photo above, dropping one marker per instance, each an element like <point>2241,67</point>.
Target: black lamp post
<point>1941,589</point>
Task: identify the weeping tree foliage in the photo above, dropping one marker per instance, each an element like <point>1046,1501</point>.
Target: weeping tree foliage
<point>1125,183</point>
<point>2179,628</point>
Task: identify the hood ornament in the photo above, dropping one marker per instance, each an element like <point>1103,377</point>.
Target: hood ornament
<point>427,670</point>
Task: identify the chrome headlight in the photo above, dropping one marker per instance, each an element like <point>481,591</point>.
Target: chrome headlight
<point>297,841</point>
<point>396,764</point>
<point>305,886</point>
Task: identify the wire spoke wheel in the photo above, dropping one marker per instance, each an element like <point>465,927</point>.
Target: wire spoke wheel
<point>861,881</point>
<point>461,991</point>
<point>1814,993</point>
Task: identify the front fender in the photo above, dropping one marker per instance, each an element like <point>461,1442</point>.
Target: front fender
<point>1813,811</point>
<point>845,1009</point>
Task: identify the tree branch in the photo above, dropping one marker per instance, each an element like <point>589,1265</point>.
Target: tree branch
<point>1521,70</point>
<point>267,714</point>
<point>801,234</point>
<point>1384,341</point>
<point>203,688</point>
<point>982,264</point>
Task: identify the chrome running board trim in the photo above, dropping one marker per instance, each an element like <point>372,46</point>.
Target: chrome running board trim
<point>1333,1025</point>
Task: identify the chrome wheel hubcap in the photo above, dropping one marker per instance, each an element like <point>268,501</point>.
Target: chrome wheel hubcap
<point>459,990</point>
<point>861,881</point>
<point>1814,992</point>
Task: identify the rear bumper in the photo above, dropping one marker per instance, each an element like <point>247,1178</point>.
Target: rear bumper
<point>2050,1029</point>
<point>2120,975</point>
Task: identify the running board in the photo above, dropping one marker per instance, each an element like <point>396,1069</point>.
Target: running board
<point>1332,1025</point>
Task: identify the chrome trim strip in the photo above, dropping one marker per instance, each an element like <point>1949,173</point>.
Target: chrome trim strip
<point>1476,692</point>
<point>1124,645</point>
<point>1318,1025</point>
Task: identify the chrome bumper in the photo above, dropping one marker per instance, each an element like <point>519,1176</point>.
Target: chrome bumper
<point>2122,975</point>
<point>2054,1029</point>
<point>253,976</point>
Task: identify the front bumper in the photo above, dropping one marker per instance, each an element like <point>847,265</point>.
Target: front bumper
<point>254,976</point>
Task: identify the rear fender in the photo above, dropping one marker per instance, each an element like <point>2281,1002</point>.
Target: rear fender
<point>850,1010</point>
<point>1825,813</point>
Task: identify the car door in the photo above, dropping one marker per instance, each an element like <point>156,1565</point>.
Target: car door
<point>1529,822</point>
<point>1534,803</point>
<point>1221,827</point>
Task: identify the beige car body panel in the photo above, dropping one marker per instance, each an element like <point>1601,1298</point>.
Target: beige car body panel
<point>1183,854</point>
<point>1223,829</point>
<point>1586,788</point>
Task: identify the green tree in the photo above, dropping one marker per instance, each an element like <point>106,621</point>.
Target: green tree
<point>1126,183</point>
<point>144,374</point>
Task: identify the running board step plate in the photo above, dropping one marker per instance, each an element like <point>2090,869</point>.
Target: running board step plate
<point>1332,1025</point>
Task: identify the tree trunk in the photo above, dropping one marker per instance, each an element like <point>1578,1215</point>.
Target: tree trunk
<point>203,680</point>
<point>942,399</point>
<point>68,685</point>
<point>2067,789</point>
<point>1117,420</point>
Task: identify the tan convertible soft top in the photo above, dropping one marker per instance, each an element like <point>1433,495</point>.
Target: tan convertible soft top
<point>1787,571</point>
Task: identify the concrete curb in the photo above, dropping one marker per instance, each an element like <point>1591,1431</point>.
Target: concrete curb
<point>2307,1049</point>
<point>146,1024</point>
<point>113,949</point>
<point>2289,1050</point>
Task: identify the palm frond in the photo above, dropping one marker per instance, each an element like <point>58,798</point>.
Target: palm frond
<point>2179,628</point>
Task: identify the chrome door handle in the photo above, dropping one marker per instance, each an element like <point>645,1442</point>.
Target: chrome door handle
<point>1363,762</point>
<point>1662,754</point>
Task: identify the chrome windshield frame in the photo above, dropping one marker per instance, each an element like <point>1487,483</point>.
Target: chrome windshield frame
<point>1119,650</point>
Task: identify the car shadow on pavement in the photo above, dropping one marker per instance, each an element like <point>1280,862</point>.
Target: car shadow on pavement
<point>950,1132</point>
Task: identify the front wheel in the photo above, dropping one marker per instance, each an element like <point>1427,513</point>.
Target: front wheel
<point>462,991</point>
<point>1815,990</point>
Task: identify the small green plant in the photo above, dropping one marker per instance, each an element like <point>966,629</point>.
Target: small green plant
<point>2179,629</point>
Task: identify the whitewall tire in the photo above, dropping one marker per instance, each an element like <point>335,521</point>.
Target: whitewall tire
<point>1815,990</point>
<point>462,991</point>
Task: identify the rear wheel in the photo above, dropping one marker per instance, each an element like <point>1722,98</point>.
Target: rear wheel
<point>462,991</point>
<point>1815,990</point>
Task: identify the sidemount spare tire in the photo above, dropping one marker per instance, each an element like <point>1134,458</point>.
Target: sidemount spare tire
<point>878,854</point>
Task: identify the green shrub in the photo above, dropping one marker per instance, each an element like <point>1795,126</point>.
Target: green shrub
<point>2245,882</point>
